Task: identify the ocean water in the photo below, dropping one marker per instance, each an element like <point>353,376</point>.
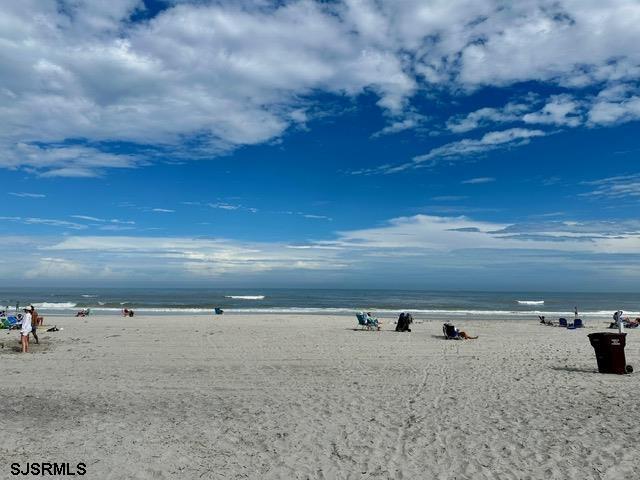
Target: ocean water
<point>335,301</point>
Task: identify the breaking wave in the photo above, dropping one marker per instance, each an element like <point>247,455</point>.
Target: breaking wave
<point>245,297</point>
<point>55,306</point>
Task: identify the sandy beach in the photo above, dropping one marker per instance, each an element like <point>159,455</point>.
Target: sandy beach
<point>307,396</point>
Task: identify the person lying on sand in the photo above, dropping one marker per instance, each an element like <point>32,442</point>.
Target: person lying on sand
<point>465,335</point>
<point>632,323</point>
<point>543,321</point>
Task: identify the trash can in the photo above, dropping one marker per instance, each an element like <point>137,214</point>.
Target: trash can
<point>609,349</point>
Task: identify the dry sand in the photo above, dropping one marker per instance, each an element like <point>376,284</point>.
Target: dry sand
<point>303,396</point>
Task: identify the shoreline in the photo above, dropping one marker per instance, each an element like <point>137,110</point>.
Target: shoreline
<point>591,318</point>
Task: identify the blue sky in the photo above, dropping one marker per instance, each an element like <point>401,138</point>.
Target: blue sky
<point>471,145</point>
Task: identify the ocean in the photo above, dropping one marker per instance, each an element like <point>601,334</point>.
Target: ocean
<point>335,301</point>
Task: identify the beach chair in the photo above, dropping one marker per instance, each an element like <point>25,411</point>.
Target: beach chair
<point>367,322</point>
<point>218,311</point>
<point>562,322</point>
<point>450,332</point>
<point>11,322</point>
<point>577,323</point>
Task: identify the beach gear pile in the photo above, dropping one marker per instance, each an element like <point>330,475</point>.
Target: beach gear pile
<point>404,320</point>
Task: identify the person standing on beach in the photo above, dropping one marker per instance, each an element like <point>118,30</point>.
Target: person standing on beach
<point>34,324</point>
<point>575,312</point>
<point>25,330</point>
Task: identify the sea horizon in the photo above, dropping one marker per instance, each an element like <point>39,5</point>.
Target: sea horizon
<point>340,301</point>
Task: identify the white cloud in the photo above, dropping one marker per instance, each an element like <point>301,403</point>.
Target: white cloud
<point>162,210</point>
<point>77,76</point>
<point>51,222</point>
<point>561,110</point>
<point>428,232</point>
<point>420,245</point>
<point>615,104</point>
<point>54,268</point>
<point>409,121</point>
<point>88,218</point>
<point>64,160</point>
<point>27,195</point>
<point>103,220</point>
<point>478,180</point>
<point>615,187</point>
<point>463,148</point>
<point>486,116</point>
<point>189,256</point>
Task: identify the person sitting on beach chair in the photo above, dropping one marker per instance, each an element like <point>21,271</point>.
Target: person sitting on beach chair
<point>373,321</point>
<point>618,318</point>
<point>366,321</point>
<point>452,333</point>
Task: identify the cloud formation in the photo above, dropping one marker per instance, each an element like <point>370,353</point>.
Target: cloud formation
<point>422,246</point>
<point>200,78</point>
<point>478,180</point>
<point>615,187</point>
<point>27,195</point>
<point>453,151</point>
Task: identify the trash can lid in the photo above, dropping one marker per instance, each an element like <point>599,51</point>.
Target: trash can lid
<point>606,334</point>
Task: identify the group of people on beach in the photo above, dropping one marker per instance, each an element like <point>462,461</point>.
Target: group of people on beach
<point>620,320</point>
<point>27,321</point>
<point>30,322</point>
<point>405,319</point>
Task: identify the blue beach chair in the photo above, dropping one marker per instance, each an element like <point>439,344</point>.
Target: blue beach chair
<point>450,332</point>
<point>562,322</point>
<point>577,323</point>
<point>11,322</point>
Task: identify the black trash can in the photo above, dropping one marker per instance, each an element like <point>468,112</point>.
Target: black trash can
<point>609,349</point>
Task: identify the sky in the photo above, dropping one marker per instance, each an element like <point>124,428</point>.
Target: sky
<point>459,144</point>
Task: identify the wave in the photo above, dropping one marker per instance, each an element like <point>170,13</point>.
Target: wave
<point>530,302</point>
<point>89,296</point>
<point>245,297</point>
<point>55,306</point>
